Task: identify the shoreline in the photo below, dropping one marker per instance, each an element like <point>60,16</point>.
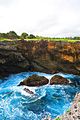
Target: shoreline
<point>74,112</point>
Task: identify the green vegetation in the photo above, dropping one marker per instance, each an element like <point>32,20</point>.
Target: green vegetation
<point>10,36</point>
<point>58,118</point>
<point>68,110</point>
<point>31,36</point>
<point>24,35</point>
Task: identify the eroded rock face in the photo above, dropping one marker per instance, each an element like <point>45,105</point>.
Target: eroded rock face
<point>58,80</point>
<point>42,56</point>
<point>35,80</point>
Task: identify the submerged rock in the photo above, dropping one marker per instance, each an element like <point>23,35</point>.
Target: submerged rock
<point>28,91</point>
<point>34,80</point>
<point>58,80</point>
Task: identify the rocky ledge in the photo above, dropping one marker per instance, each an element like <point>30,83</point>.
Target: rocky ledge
<point>43,56</point>
<point>74,112</point>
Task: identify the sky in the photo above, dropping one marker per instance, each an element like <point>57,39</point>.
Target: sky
<point>51,18</point>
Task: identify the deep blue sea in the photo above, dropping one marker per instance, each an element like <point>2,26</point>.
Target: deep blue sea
<point>48,100</point>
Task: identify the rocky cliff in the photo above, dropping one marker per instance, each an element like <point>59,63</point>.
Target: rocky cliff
<point>44,56</point>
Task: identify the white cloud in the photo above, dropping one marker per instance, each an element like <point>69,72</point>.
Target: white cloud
<point>41,17</point>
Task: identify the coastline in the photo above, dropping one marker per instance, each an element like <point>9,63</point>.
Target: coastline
<point>74,112</point>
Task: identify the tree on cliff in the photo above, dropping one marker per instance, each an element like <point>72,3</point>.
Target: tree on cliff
<point>12,35</point>
<point>24,35</point>
<point>3,35</point>
<point>76,38</point>
<point>31,36</point>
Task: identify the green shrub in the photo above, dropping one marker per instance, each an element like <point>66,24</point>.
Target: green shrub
<point>68,110</point>
<point>58,118</point>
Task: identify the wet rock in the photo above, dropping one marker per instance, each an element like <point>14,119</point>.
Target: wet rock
<point>28,91</point>
<point>74,112</point>
<point>58,80</point>
<point>35,80</point>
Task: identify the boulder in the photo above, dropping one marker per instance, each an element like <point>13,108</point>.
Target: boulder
<point>58,80</point>
<point>34,80</point>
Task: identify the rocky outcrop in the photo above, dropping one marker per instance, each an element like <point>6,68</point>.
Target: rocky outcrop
<point>42,56</point>
<point>74,112</point>
<point>34,80</point>
<point>58,80</point>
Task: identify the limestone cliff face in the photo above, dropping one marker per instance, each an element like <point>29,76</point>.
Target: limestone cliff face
<point>44,56</point>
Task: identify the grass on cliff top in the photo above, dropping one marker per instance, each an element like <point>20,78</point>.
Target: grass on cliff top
<point>52,39</point>
<point>39,39</point>
<point>4,39</point>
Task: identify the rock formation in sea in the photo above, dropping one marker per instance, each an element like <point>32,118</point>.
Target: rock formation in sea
<point>58,80</point>
<point>34,80</point>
